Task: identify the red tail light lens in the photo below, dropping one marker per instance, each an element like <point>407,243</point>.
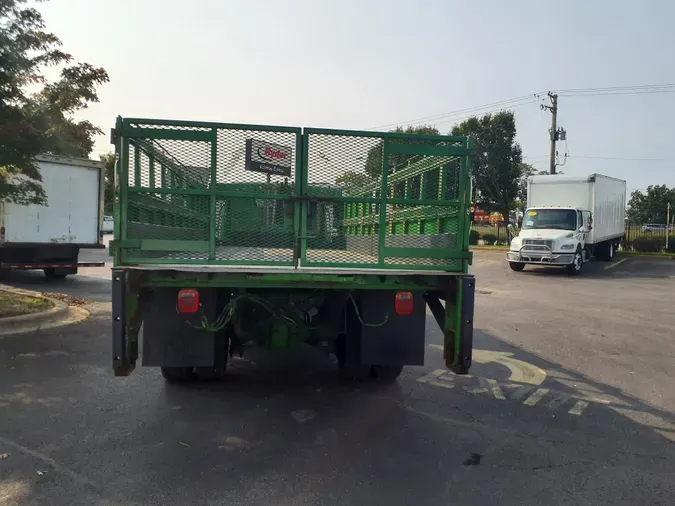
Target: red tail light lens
<point>188,301</point>
<point>404,303</point>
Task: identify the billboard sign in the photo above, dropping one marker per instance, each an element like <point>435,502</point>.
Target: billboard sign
<point>268,158</point>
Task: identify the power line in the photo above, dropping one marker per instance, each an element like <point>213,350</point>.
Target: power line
<point>625,158</point>
<point>539,158</point>
<point>646,89</point>
<point>469,111</point>
<point>461,114</point>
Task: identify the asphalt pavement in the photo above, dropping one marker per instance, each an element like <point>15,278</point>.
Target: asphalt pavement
<point>568,402</point>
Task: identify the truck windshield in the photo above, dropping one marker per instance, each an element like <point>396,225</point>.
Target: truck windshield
<point>563,219</point>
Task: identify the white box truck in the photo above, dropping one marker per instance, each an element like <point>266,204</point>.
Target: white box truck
<point>568,220</point>
<point>49,237</point>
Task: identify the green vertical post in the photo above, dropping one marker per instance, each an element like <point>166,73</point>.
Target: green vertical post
<point>137,166</point>
<point>213,196</point>
<point>123,190</point>
<point>383,204</point>
<point>467,200</point>
<point>151,165</point>
<point>301,182</point>
<point>453,325</point>
<point>162,175</point>
<point>461,197</point>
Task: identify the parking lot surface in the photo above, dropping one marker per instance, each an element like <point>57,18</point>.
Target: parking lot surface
<point>569,401</point>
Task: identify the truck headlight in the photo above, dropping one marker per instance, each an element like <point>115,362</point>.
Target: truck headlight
<point>568,246</point>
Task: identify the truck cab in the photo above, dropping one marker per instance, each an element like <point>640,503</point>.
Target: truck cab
<point>551,236</point>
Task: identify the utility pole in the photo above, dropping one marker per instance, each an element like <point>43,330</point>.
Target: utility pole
<point>555,132</point>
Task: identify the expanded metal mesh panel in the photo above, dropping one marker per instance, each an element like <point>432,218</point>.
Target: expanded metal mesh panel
<point>428,263</point>
<point>274,147</point>
<point>254,229</point>
<point>237,194</point>
<point>422,226</point>
<point>168,217</point>
<point>356,211</point>
<point>191,167</point>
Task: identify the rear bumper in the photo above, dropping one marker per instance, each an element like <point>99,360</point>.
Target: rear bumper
<point>540,257</point>
<point>51,265</point>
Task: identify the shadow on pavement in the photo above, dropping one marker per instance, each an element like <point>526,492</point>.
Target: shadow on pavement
<point>290,434</point>
<point>622,267</point>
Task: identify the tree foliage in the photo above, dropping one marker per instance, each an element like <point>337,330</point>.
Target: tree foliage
<point>37,122</point>
<point>497,161</point>
<point>652,205</point>
<point>109,182</point>
<point>352,180</point>
<point>374,159</point>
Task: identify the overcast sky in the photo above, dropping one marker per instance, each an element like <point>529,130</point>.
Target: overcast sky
<point>360,64</point>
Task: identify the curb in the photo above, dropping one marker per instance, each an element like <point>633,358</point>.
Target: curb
<point>33,321</point>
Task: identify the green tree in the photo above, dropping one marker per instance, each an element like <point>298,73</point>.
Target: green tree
<point>374,159</point>
<point>497,161</point>
<point>38,122</point>
<point>109,182</point>
<point>352,180</point>
<point>650,206</point>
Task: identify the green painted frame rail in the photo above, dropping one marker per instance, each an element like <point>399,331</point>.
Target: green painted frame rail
<point>167,215</point>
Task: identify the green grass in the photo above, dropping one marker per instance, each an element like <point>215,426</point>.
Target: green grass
<point>17,305</point>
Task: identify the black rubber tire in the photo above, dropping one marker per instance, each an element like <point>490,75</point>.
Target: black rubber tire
<point>356,373</point>
<point>386,373</point>
<point>178,374</point>
<point>609,251</point>
<point>209,373</point>
<point>575,267</point>
<point>517,266</point>
<point>51,274</point>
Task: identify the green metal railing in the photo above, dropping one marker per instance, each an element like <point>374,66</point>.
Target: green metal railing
<point>229,194</point>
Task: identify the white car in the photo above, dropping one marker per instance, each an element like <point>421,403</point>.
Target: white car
<point>108,225</point>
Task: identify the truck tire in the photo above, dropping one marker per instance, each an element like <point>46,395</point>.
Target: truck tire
<point>605,251</point>
<point>177,374</point>
<point>353,373</point>
<point>52,274</point>
<point>209,373</point>
<point>386,373</point>
<point>578,262</point>
<point>516,266</point>
<point>609,250</point>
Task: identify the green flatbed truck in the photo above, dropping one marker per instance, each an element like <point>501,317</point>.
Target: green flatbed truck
<point>229,236</point>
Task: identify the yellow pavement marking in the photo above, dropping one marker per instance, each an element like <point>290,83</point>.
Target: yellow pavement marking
<point>438,378</point>
<point>496,389</point>
<point>616,263</point>
<point>521,372</point>
<point>535,397</point>
<point>578,408</point>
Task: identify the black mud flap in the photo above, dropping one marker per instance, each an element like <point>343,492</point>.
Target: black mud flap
<point>385,337</point>
<point>462,363</point>
<point>456,322</point>
<point>126,323</point>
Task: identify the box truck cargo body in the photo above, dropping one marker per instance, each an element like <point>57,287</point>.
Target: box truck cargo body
<point>49,237</point>
<point>568,220</point>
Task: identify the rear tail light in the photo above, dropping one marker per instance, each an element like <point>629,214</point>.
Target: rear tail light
<point>188,301</point>
<point>404,303</point>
